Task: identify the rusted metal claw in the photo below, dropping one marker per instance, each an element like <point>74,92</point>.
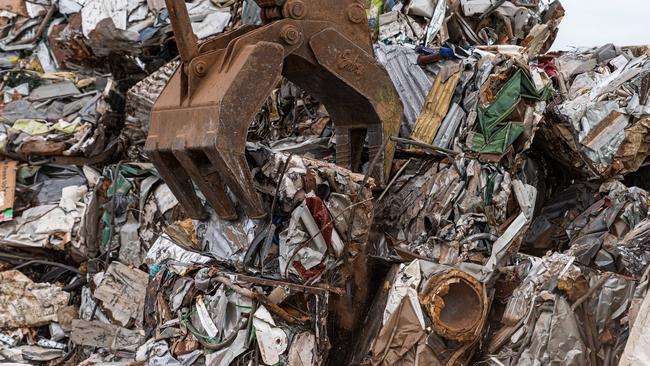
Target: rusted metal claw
<point>199,123</point>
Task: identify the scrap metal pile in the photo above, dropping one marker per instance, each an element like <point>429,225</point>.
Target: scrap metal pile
<point>512,226</point>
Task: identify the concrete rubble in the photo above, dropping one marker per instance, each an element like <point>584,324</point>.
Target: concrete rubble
<point>514,227</point>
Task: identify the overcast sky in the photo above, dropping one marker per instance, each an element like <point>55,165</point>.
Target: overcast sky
<point>597,22</point>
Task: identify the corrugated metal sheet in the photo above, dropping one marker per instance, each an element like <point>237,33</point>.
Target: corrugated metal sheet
<point>449,127</point>
<point>435,109</point>
<point>411,82</point>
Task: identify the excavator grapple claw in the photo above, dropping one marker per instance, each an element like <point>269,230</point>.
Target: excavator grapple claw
<point>199,123</point>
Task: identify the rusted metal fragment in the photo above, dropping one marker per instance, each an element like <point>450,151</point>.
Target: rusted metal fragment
<point>15,6</point>
<point>457,304</point>
<point>41,147</point>
<point>65,316</point>
<point>67,44</point>
<point>107,39</point>
<point>439,326</point>
<point>316,290</point>
<point>541,36</point>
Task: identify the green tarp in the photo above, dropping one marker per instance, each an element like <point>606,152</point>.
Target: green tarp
<point>494,135</point>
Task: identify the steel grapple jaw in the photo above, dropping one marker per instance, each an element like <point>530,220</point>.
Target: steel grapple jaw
<point>200,122</point>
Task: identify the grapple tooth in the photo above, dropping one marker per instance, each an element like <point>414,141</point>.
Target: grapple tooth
<point>179,182</point>
<point>208,179</point>
<point>238,178</point>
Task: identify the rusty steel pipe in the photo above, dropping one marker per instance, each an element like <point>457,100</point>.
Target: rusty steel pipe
<point>457,304</point>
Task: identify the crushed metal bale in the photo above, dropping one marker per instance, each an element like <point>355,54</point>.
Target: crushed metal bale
<point>403,182</point>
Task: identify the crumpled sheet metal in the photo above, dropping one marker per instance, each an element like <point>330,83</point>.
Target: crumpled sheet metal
<point>305,243</point>
<point>28,304</point>
<point>395,27</point>
<point>157,353</point>
<point>126,14</point>
<point>610,234</point>
<point>550,316</point>
<point>405,285</point>
<point>33,354</point>
<point>272,340</point>
<point>437,21</point>
<point>555,337</point>
<point>448,211</point>
<point>423,8</point>
<point>85,33</point>
<point>139,101</point>
<point>122,291</point>
<point>99,334</point>
<point>226,240</point>
<point>165,252</point>
<point>217,307</point>
<point>191,248</point>
<point>548,230</point>
<point>486,103</point>
<point>404,206</point>
<point>472,23</point>
<point>637,348</point>
<point>495,132</point>
<point>605,109</point>
<point>304,175</point>
<point>606,228</point>
<point>541,36</point>
<point>633,248</point>
<point>449,128</point>
<point>634,149</point>
<point>69,118</point>
<point>398,342</point>
<point>231,240</point>
<point>48,226</point>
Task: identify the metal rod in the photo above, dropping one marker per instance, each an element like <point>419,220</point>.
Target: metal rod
<point>424,146</point>
<point>399,173</point>
<point>291,286</point>
<point>186,40</point>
